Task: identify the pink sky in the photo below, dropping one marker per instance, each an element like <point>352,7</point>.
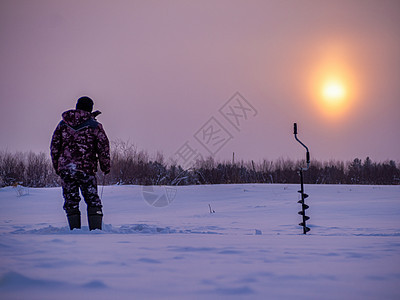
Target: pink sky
<point>159,70</point>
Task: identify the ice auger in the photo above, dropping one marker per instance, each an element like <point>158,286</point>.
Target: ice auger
<point>304,206</point>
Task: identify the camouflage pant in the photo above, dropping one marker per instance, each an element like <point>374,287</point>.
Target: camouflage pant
<point>72,182</point>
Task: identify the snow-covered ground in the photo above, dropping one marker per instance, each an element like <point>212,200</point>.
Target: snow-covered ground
<point>250,248</point>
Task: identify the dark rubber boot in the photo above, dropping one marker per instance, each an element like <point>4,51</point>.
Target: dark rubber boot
<point>95,217</point>
<point>74,218</point>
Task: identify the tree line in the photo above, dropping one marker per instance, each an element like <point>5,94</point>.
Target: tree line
<point>131,166</point>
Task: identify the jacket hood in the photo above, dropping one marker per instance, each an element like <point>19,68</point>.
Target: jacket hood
<point>75,117</point>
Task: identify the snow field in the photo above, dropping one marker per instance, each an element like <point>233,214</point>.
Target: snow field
<point>250,248</point>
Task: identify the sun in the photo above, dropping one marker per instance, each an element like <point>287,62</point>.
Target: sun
<point>333,93</point>
<point>333,82</point>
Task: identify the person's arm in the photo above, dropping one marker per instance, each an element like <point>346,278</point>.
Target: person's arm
<point>103,147</point>
<point>55,147</point>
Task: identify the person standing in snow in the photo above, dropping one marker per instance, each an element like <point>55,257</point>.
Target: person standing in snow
<point>79,142</point>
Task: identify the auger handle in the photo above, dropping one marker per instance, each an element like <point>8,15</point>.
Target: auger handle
<point>307,152</point>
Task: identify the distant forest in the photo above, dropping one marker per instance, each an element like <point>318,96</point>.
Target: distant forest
<point>130,166</point>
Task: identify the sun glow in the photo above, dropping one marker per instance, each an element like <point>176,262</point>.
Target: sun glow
<point>334,93</point>
<point>333,89</point>
<point>333,81</point>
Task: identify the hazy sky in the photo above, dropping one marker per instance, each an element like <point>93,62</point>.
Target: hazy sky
<point>163,72</point>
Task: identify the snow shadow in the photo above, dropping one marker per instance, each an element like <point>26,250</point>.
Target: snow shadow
<point>15,280</point>
<point>109,229</point>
